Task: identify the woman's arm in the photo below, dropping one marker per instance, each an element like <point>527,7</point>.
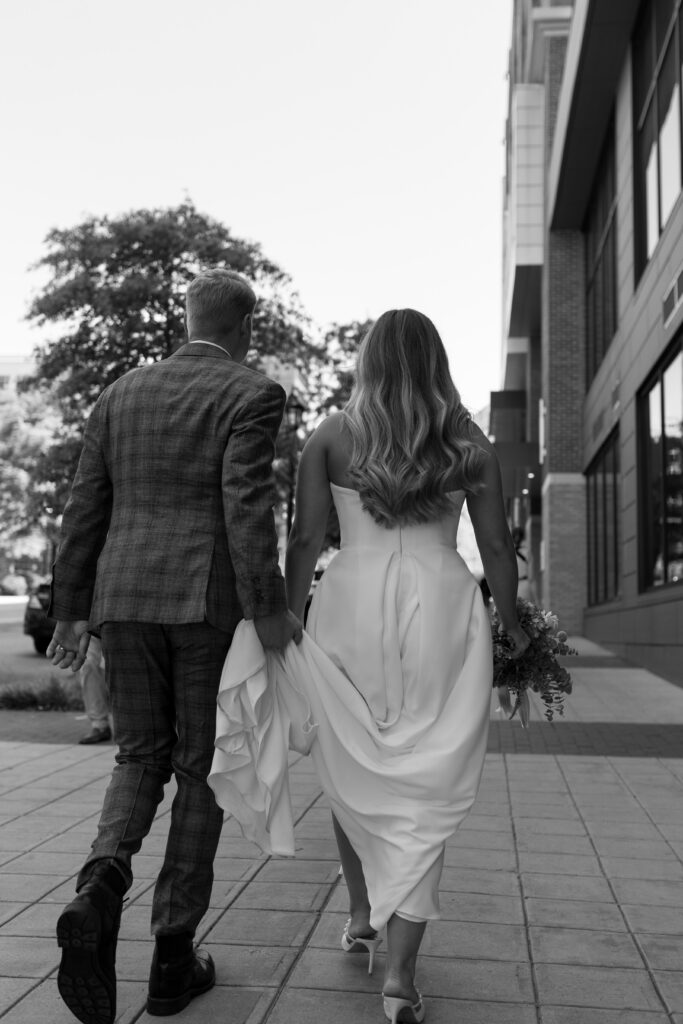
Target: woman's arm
<point>313,500</point>
<point>497,550</point>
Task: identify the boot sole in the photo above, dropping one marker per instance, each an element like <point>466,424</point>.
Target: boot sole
<point>86,987</point>
<point>167,1007</point>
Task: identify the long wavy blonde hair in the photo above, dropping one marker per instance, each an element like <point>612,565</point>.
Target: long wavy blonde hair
<point>411,434</point>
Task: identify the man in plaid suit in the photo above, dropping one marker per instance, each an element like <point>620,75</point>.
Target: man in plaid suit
<point>168,540</point>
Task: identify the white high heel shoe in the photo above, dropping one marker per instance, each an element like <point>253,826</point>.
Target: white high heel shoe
<point>352,944</point>
<point>394,1004</point>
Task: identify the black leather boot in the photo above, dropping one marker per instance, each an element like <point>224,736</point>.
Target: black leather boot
<point>180,971</point>
<point>87,931</point>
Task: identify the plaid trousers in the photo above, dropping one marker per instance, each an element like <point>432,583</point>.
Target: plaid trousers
<point>163,681</point>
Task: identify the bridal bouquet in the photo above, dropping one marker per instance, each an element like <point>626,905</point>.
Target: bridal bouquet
<point>537,669</point>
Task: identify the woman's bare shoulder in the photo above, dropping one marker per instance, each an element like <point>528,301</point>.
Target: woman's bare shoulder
<point>332,437</point>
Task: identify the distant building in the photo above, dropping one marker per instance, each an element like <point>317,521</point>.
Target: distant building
<point>590,419</point>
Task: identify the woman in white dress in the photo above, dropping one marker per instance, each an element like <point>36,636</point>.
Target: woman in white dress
<point>402,691</point>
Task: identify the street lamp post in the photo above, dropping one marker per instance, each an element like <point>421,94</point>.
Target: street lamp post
<point>294,411</point>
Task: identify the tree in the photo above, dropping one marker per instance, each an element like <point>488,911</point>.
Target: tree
<point>116,294</point>
<point>27,424</point>
<point>334,374</point>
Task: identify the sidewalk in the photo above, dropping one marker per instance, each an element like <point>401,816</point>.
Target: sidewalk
<point>562,896</point>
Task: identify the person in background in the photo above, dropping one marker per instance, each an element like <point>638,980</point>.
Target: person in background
<point>95,697</point>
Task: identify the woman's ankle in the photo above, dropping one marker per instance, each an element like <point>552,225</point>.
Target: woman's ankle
<point>359,924</point>
<point>401,983</point>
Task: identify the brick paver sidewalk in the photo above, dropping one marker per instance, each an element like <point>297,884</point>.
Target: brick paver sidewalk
<point>562,899</point>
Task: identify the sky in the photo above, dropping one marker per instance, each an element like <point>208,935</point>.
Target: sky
<point>359,142</point>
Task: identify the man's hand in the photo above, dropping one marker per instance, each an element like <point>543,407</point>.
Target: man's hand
<point>275,631</point>
<point>69,644</point>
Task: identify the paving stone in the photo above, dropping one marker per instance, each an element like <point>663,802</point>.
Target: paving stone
<point>487,823</point>
<point>27,957</point>
<point>38,863</point>
<point>475,940</point>
<point>528,842</point>
<point>316,849</point>
<point>480,907</point>
<point>286,869</point>
<point>536,810</point>
<point>250,966</point>
<point>37,920</point>
<point>662,952</point>
<point>12,989</point>
<point>489,860</point>
<point>472,880</point>
<point>262,927</point>
<point>313,1006</point>
<point>235,1005</point>
<point>671,986</point>
<point>8,910</point>
<point>481,839</point>
<point>575,914</point>
<point>583,1015</point>
<point>648,893</point>
<point>656,870</point>
<point>72,842</point>
<point>28,888</point>
<point>563,887</point>
<point>656,920</point>
<point>550,826</point>
<point>444,977</point>
<point>282,896</point>
<point>624,846</point>
<point>559,863</point>
<point>581,946</point>
<point>43,1005</point>
<point>599,987</point>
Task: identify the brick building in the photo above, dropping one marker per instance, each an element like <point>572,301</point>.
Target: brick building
<point>589,420</point>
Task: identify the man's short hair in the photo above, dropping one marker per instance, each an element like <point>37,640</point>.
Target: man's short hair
<point>220,297</point>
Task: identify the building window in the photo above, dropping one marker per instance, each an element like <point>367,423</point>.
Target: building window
<point>603,482</point>
<point>657,51</point>
<point>661,472</point>
<point>600,231</point>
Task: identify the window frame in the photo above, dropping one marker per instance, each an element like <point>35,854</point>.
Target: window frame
<point>603,544</point>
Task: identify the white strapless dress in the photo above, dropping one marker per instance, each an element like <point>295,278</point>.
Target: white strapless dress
<point>389,691</point>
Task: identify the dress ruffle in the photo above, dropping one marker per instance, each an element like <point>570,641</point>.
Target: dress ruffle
<point>261,715</point>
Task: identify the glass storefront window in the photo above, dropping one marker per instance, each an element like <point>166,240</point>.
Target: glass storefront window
<point>657,51</point>
<point>661,473</point>
<point>673,469</point>
<point>600,232</point>
<point>669,134</point>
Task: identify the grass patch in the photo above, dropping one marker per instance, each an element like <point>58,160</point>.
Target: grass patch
<point>53,695</point>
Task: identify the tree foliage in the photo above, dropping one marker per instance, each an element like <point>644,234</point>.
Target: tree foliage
<point>335,372</point>
<point>115,301</point>
<point>28,423</point>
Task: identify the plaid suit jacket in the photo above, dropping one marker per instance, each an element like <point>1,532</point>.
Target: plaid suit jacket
<point>170,517</point>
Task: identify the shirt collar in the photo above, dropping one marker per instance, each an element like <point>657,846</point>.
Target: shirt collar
<point>198,341</point>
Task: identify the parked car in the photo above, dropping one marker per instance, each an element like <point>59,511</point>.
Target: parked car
<point>37,623</point>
